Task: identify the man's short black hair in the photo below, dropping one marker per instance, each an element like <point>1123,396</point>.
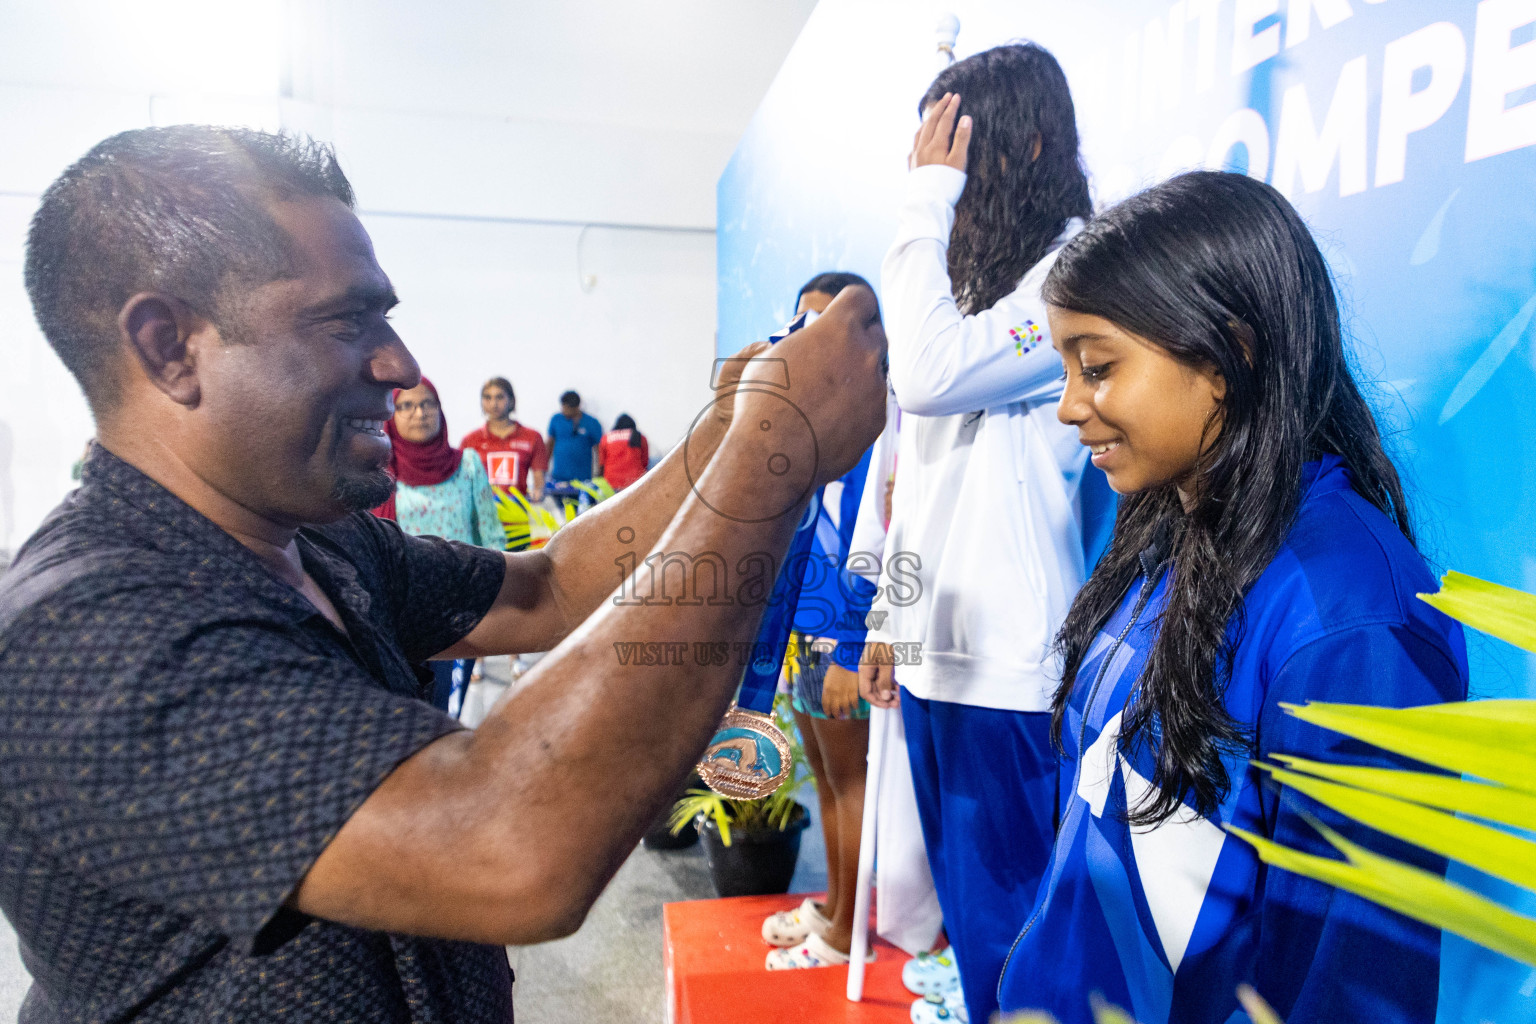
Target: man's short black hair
<point>180,210</point>
<point>570,398</point>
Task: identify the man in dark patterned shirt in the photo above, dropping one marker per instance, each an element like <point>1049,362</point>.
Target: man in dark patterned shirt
<point>223,796</point>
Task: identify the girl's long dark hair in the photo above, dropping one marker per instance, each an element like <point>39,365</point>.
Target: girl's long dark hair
<point>1015,202</point>
<point>1219,271</point>
<point>627,422</point>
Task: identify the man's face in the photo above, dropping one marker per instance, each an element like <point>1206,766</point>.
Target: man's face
<point>293,415</point>
<point>571,412</point>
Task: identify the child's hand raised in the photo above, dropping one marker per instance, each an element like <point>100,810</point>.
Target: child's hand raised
<point>934,144</point>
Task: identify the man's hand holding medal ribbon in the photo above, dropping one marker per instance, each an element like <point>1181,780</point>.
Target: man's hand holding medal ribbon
<point>749,755</point>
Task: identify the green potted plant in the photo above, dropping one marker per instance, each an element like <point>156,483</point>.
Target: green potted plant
<point>751,845</point>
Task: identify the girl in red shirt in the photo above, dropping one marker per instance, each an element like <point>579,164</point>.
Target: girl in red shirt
<point>623,454</point>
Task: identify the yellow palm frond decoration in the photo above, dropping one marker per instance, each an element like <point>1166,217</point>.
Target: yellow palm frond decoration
<point>1504,612</point>
<point>1489,749</point>
<point>1490,746</point>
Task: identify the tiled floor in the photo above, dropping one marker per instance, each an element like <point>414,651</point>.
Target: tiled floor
<point>610,970</point>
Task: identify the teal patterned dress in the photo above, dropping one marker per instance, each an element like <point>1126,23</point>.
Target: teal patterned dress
<point>460,508</point>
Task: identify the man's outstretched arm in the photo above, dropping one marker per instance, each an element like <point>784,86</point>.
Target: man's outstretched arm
<point>548,593</point>
<point>507,834</point>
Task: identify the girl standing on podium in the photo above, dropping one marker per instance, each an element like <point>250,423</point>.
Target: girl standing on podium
<point>1263,556</point>
<point>986,511</point>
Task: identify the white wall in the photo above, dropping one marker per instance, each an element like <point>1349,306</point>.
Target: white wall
<point>487,298</point>
<point>481,136</point>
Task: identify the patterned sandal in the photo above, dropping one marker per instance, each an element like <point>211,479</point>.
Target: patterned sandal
<point>940,1009</point>
<point>792,927</point>
<point>813,952</point>
<point>931,972</point>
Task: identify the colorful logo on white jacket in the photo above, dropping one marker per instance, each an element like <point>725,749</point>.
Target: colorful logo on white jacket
<point>1026,336</point>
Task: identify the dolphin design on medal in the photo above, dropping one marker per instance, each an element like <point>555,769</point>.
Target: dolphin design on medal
<point>747,758</point>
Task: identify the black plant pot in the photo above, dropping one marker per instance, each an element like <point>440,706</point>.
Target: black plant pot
<point>756,863</point>
<point>659,836</point>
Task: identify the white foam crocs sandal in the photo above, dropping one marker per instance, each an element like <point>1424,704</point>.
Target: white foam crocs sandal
<point>940,1008</point>
<point>791,927</point>
<point>931,972</point>
<point>813,952</point>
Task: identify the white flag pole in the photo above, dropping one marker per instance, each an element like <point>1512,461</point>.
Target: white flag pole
<point>880,723</point>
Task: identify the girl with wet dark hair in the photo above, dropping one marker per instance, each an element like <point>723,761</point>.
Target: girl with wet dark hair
<point>987,508</point>
<point>1263,555</point>
<point>1024,181</point>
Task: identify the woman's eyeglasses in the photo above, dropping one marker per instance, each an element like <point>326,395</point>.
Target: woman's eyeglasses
<point>425,405</point>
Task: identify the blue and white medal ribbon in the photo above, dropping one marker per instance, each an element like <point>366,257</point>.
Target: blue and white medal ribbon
<point>749,755</point>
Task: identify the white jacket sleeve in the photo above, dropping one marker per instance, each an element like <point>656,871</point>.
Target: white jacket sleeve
<point>869,532</point>
<point>941,361</point>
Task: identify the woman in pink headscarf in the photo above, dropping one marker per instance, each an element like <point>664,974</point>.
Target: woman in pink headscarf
<point>440,491</point>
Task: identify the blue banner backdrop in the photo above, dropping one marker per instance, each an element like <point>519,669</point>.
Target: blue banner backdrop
<point>1404,131</point>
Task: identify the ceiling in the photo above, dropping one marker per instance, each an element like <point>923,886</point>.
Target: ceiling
<point>696,65</point>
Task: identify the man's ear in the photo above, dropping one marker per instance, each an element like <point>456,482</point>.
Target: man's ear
<point>164,335</point>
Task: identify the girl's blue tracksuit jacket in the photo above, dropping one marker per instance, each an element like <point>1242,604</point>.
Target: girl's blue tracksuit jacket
<point>1166,921</point>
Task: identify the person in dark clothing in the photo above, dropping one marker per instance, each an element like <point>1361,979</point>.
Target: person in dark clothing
<point>225,797</point>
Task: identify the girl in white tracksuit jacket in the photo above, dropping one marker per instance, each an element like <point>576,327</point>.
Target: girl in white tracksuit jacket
<point>986,512</point>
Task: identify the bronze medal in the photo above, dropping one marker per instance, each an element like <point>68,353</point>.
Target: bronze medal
<point>748,756</point>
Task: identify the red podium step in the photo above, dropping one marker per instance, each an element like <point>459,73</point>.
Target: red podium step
<point>714,954</point>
